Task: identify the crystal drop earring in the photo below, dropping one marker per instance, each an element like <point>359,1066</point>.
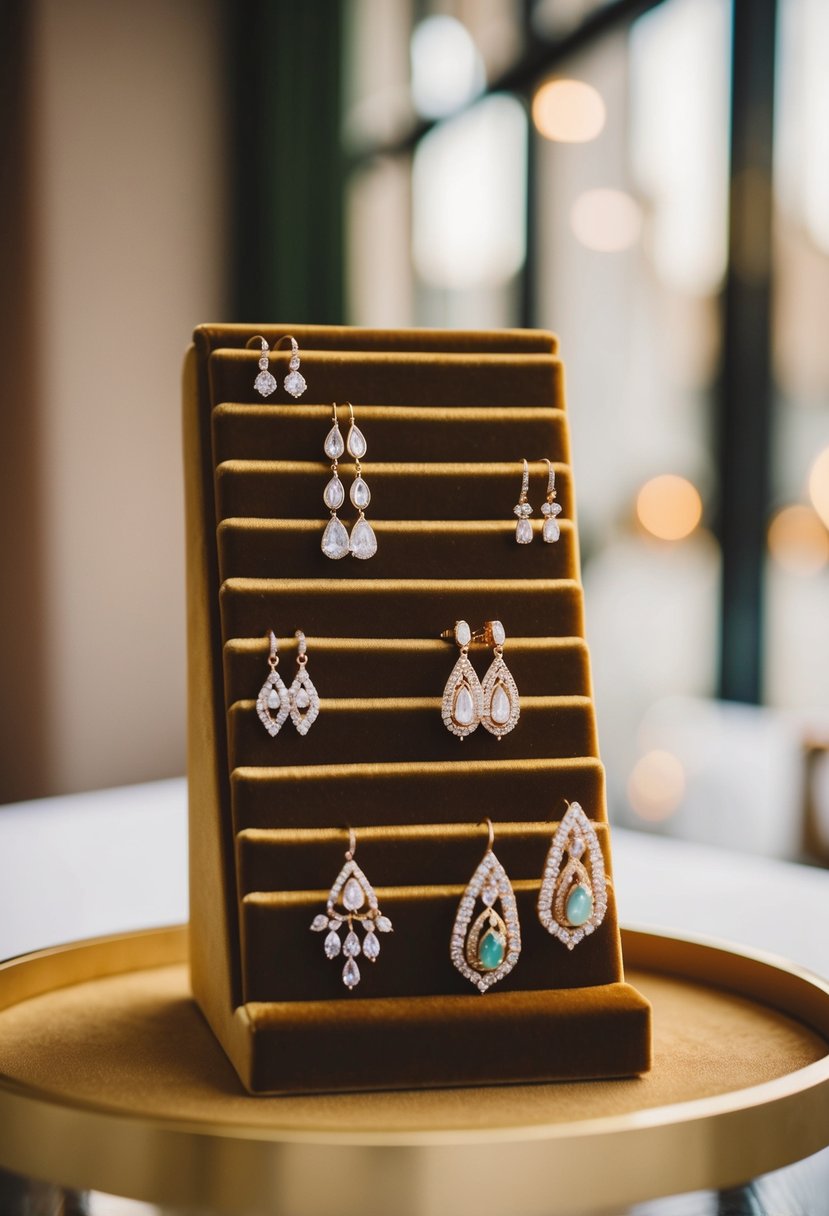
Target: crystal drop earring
<point>463,698</point>
<point>572,901</point>
<point>265,383</point>
<point>551,531</point>
<point>501,706</point>
<point>335,537</point>
<point>523,529</point>
<point>487,948</point>
<point>363,540</point>
<point>351,901</point>
<point>302,695</point>
<point>294,382</point>
<point>272,704</point>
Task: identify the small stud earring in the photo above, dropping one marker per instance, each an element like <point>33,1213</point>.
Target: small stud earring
<point>294,382</point>
<point>486,949</point>
<point>302,696</point>
<point>524,529</point>
<point>463,698</point>
<point>572,901</point>
<point>502,708</point>
<point>351,899</point>
<point>550,509</point>
<point>273,704</point>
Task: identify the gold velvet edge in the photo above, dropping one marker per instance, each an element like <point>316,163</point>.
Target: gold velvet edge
<point>214,335</point>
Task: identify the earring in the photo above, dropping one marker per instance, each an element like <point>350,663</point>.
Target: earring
<point>524,529</point>
<point>363,540</point>
<point>502,708</point>
<point>294,382</point>
<point>351,899</point>
<point>550,509</point>
<point>573,898</point>
<point>335,536</point>
<point>489,950</point>
<point>463,698</point>
<point>264,382</point>
<point>272,704</point>
<point>303,697</point>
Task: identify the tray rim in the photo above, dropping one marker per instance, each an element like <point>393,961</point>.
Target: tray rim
<point>708,1142</point>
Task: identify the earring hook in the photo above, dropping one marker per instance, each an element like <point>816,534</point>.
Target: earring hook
<point>352,844</point>
<point>488,823</point>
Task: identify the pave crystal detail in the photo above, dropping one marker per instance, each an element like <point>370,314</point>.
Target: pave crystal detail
<point>573,883</point>
<point>335,539</point>
<point>264,383</point>
<point>304,701</point>
<point>363,540</point>
<point>463,699</point>
<point>502,707</point>
<point>273,705</point>
<point>352,903</point>
<point>487,948</point>
<point>295,383</point>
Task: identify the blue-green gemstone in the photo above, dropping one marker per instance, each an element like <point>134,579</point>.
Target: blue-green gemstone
<point>579,906</point>
<point>491,950</point>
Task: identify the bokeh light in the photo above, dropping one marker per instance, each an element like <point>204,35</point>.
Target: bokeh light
<point>819,485</point>
<point>669,507</point>
<point>798,540</point>
<point>447,70</point>
<point>569,111</point>
<point>606,220</point>
<point>656,785</point>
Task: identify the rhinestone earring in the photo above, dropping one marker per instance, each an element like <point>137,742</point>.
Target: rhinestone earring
<point>335,536</point>
<point>351,899</point>
<point>572,901</point>
<point>463,698</point>
<point>486,949</point>
<point>524,529</point>
<point>265,383</point>
<point>302,696</point>
<point>550,509</point>
<point>502,708</point>
<point>363,539</point>
<point>273,704</point>
<point>294,382</point>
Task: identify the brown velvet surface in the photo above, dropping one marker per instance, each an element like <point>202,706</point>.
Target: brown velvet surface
<point>356,338</point>
<point>403,608</point>
<point>412,668</point>
<point>315,796</point>
<point>447,425</point>
<point>292,490</point>
<point>296,432</point>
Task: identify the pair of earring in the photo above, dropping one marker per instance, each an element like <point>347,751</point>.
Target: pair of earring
<point>572,902</point>
<point>336,542</point>
<point>300,702</point>
<point>265,382</point>
<point>469,702</point>
<point>551,531</point>
<point>484,948</point>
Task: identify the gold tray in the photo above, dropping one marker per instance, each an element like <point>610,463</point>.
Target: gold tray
<point>110,1080</point>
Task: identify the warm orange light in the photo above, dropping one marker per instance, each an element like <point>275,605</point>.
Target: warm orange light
<point>656,786</point>
<point>819,485</point>
<point>569,111</point>
<point>798,540</point>
<point>669,507</point>
<point>606,220</point>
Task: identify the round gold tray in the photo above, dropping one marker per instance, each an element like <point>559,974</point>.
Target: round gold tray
<point>110,1080</point>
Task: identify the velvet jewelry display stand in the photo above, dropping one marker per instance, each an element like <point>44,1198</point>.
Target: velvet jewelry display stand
<point>448,417</point>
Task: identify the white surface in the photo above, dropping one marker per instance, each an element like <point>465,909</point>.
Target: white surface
<point>114,860</point>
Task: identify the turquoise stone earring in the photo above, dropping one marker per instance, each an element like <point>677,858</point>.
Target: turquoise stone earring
<point>573,898</point>
<point>486,948</point>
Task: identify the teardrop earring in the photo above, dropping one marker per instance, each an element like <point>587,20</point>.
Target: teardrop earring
<point>335,536</point>
<point>363,539</point>
<point>572,901</point>
<point>294,383</point>
<point>272,704</point>
<point>463,699</point>
<point>265,383</point>
<point>302,696</point>
<point>550,531</point>
<point>351,900</point>
<point>486,949</point>
<point>502,708</point>
<point>523,529</point>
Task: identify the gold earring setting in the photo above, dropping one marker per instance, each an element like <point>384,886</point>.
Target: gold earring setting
<point>572,901</point>
<point>487,948</point>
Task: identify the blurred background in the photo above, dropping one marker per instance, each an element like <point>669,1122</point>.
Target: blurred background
<point>649,179</point>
